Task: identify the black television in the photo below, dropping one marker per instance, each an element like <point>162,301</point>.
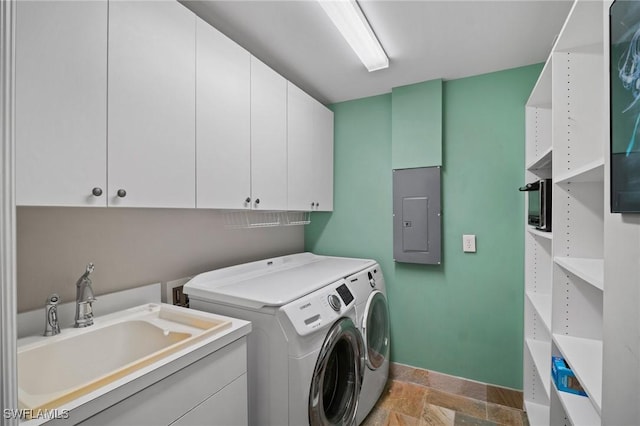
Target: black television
<point>624,80</point>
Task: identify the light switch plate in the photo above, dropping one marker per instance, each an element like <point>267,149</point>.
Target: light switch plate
<point>469,243</point>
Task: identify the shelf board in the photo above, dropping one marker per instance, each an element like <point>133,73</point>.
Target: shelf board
<point>541,355</point>
<point>538,414</point>
<point>578,408</point>
<point>590,172</point>
<point>590,270</point>
<point>542,304</point>
<point>584,356</point>
<point>538,233</point>
<point>543,161</point>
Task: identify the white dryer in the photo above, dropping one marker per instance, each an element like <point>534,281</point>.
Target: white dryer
<point>305,352</point>
<point>372,320</point>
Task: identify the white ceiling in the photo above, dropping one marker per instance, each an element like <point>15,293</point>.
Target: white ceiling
<point>424,40</point>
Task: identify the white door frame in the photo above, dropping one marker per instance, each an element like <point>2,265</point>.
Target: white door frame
<point>8,304</point>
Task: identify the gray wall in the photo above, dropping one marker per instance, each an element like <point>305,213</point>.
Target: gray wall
<point>131,247</point>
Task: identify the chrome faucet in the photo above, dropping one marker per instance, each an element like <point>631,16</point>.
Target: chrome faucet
<point>51,326</point>
<point>84,299</point>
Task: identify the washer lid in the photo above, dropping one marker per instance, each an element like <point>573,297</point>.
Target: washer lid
<point>272,282</point>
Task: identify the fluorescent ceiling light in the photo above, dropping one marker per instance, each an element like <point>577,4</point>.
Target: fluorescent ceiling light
<point>351,22</point>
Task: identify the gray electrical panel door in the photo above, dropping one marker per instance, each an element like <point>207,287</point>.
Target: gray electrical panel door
<point>416,215</point>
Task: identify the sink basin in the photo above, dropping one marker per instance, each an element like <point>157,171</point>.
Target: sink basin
<point>58,369</point>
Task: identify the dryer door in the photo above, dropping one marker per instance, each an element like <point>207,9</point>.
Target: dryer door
<point>375,330</point>
<point>335,385</point>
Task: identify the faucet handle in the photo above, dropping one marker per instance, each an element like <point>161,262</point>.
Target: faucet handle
<point>53,299</point>
<point>52,327</point>
<point>90,268</point>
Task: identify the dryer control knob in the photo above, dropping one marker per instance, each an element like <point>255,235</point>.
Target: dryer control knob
<point>334,302</point>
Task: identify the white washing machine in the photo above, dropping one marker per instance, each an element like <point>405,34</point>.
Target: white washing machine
<point>305,352</point>
<point>372,320</point>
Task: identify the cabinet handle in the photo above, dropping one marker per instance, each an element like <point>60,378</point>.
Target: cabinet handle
<point>313,204</point>
<point>317,204</point>
<point>122,193</point>
<point>257,200</point>
<point>248,200</point>
<point>96,191</point>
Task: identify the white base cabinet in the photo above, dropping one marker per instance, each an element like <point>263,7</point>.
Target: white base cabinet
<point>211,391</point>
<point>228,407</point>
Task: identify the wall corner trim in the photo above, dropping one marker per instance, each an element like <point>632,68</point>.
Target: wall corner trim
<point>8,343</point>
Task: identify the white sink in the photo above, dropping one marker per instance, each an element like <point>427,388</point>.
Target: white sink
<point>55,370</point>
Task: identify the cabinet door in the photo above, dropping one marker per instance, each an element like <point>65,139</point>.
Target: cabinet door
<point>223,121</point>
<point>61,103</point>
<point>226,408</point>
<point>323,158</point>
<point>151,104</point>
<point>310,152</point>
<point>169,398</point>
<point>299,150</point>
<point>268,138</point>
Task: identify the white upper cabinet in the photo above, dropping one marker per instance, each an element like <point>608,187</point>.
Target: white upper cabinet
<point>223,125</point>
<point>142,104</point>
<point>310,152</point>
<point>322,182</point>
<point>151,139</point>
<point>61,102</point>
<point>268,138</point>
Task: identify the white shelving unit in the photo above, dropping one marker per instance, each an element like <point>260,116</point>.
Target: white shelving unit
<point>538,413</point>
<point>544,160</point>
<point>564,270</point>
<point>540,234</point>
<point>590,172</point>
<point>538,267</point>
<point>539,350</point>
<point>586,363</point>
<point>539,260</point>
<point>538,245</point>
<point>589,270</point>
<point>578,409</point>
<point>542,305</point>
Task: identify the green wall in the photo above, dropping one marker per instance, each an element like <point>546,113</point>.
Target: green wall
<point>463,317</point>
<point>416,125</point>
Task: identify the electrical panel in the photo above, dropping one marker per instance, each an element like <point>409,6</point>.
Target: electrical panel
<point>417,215</point>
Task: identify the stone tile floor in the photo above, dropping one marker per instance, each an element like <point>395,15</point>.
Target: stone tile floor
<point>416,397</point>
